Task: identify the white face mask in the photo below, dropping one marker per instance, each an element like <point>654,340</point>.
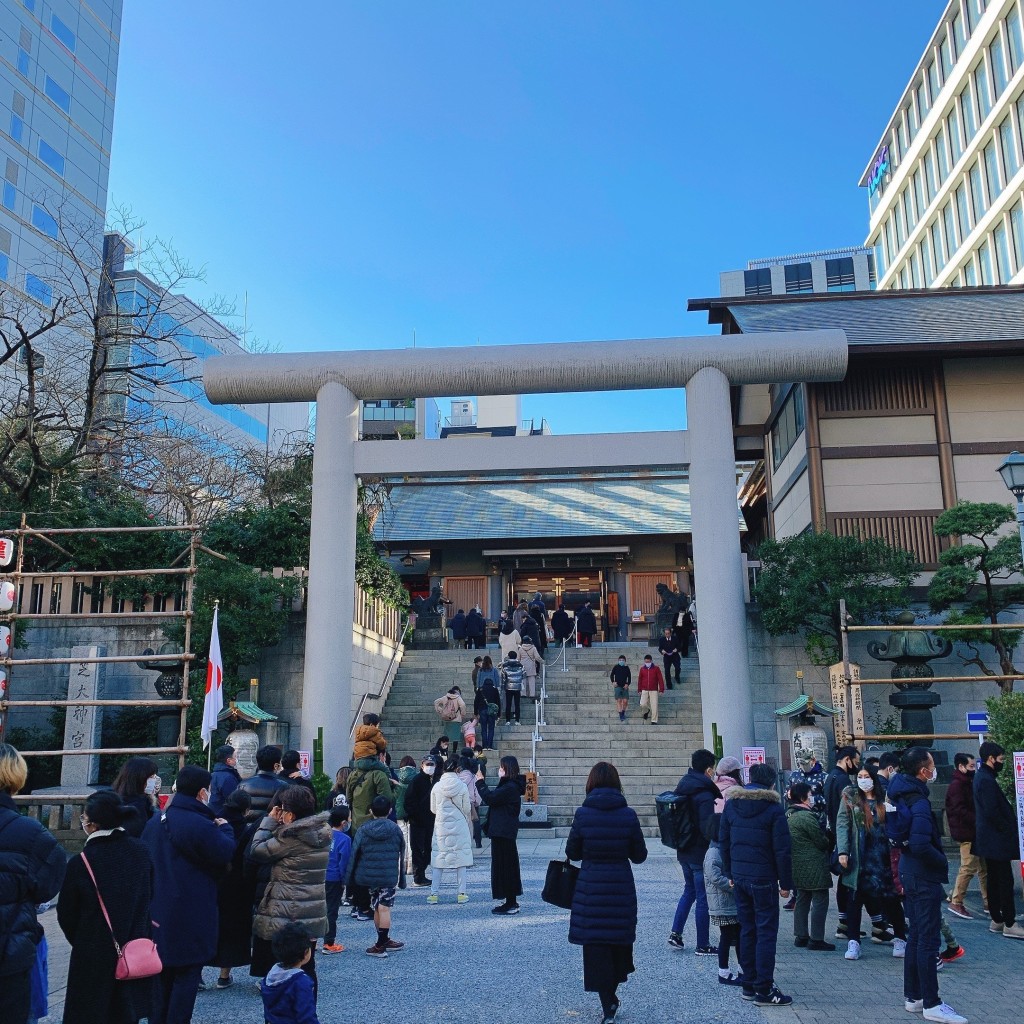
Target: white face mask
<point>153,785</point>
<point>428,769</point>
<point>934,775</point>
<point>866,785</point>
<point>204,799</point>
<point>648,664</point>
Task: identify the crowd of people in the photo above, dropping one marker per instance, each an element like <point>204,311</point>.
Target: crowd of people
<point>232,873</point>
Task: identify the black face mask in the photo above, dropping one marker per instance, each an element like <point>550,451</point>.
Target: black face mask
<point>999,766</point>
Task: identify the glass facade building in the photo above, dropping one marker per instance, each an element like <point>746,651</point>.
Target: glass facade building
<point>945,183</point>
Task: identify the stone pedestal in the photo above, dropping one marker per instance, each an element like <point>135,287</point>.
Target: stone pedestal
<point>431,632</point>
<point>82,725</point>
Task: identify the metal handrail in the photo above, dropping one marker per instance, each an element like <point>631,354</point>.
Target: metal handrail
<point>538,716</point>
<point>561,654</point>
<point>383,685</point>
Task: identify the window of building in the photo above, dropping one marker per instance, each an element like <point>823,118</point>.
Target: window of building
<point>945,56</point>
<point>978,201</point>
<point>1014,38</point>
<point>839,274</point>
<point>43,221</point>
<point>5,266</point>
<point>912,122</point>
<point>974,9</point>
<point>915,270</point>
<point>963,210</point>
<point>901,136</point>
<point>970,273</point>
<point>29,4</point>
<point>985,263</point>
<point>953,237</point>
<point>23,59</point>
<point>59,95</point>
<point>938,248</point>
<point>919,191</point>
<point>923,104</point>
<point>872,275</point>
<point>10,195</point>
<point>38,290</point>
<point>953,129</point>
<point>1008,148</point>
<point>63,33</point>
<point>904,277</point>
<point>932,75</point>
<point>908,206</point>
<point>981,90</point>
<point>1002,246</point>
<point>889,246</point>
<point>51,157</point>
<point>788,426</point>
<point>959,30</point>
<point>998,60</point>
<point>798,278</point>
<point>1017,232</point>
<point>942,154</point>
<point>992,176</point>
<point>757,282</point>
<point>930,184</point>
<point>17,128</point>
<point>968,114</point>
<point>927,267</point>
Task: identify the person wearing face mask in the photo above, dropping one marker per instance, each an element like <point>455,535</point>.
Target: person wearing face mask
<point>863,851</point>
<point>487,702</point>
<point>225,777</point>
<point>996,840</point>
<point>505,803</point>
<point>190,849</point>
<point>960,817</point>
<point>137,784</point>
<point>421,819</point>
<point>924,870</point>
<point>837,780</point>
<point>621,677</point>
<point>651,685</point>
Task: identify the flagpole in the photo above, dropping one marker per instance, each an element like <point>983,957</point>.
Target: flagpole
<point>209,747</point>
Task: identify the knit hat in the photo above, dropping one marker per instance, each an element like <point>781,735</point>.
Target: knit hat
<point>726,765</point>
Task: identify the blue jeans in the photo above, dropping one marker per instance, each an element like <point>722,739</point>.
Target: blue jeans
<point>923,903</point>
<point>757,907</point>
<point>693,893</point>
<point>487,728</point>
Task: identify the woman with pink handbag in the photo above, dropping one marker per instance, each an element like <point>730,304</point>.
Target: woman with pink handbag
<point>104,913</point>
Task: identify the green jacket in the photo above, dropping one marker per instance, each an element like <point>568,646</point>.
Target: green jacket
<point>368,778</point>
<point>405,776</point>
<point>850,827</point>
<point>810,850</point>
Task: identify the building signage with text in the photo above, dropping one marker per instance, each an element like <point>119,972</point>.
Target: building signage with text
<point>879,169</point>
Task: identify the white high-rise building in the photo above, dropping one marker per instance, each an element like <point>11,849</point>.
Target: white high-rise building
<point>946,181</point>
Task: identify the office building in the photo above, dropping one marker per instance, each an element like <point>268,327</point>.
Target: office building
<point>945,183</point>
<point>831,270</point>
<point>58,72</point>
<point>385,418</point>
<point>491,416</point>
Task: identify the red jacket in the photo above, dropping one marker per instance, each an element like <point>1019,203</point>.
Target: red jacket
<point>651,679</point>
<point>960,807</point>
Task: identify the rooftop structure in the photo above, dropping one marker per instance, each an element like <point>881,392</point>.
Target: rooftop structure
<point>828,270</point>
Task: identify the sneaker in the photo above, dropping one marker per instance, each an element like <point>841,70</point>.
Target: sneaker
<point>944,1013</point>
<point>224,983</point>
<point>353,912</point>
<point>899,948</point>
<point>996,926</point>
<point>852,950</point>
<point>939,963</point>
<point>363,917</point>
<point>433,898</point>
<point>913,1005</point>
<point>513,908</point>
<point>463,898</point>
<point>881,935</point>
<point>1013,931</point>
<point>391,945</point>
<point>506,909</point>
<point>675,940</point>
<point>378,951</point>
<point>802,942</point>
<point>824,947</point>
<point>706,951</point>
<point>951,953</point>
<point>730,979</point>
<point>420,883</point>
<point>332,947</point>
<point>773,997</point>
<point>959,910</point>
<point>748,993</point>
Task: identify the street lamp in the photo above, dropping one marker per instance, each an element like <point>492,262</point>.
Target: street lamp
<point>1012,472</point>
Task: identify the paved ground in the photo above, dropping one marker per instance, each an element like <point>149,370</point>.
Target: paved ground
<point>464,964</point>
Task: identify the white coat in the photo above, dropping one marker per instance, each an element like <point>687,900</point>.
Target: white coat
<point>509,642</point>
<point>452,845</point>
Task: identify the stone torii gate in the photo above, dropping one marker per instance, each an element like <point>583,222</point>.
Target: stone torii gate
<point>705,366</point>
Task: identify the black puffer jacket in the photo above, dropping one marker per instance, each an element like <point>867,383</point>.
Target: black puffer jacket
<point>32,868</point>
<point>996,822</point>
<point>702,793</point>
<point>261,789</point>
<point>505,803</point>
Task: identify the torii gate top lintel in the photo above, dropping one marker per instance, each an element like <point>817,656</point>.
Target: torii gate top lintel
<point>574,366</point>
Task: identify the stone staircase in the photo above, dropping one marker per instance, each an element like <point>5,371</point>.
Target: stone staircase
<point>582,725</point>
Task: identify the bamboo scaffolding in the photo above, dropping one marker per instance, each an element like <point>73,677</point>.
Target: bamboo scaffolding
<point>921,736</point>
<point>180,751</point>
<point>932,629</point>
<point>104,573</point>
<point>94,703</point>
<point>108,659</point>
<point>8,616</point>
<point>936,679</point>
<point>28,531</point>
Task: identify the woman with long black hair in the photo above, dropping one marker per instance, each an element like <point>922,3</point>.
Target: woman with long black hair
<point>138,784</point>
<point>504,803</point>
<point>116,868</point>
<point>605,836</point>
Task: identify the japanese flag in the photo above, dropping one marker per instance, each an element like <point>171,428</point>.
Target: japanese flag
<point>214,700</point>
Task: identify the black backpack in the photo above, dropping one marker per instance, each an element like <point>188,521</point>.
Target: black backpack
<point>676,820</point>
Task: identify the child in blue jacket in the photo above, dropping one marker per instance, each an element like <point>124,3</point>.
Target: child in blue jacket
<point>288,993</point>
<point>337,866</point>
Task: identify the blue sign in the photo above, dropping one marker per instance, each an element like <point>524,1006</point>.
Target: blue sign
<point>878,171</point>
<point>977,721</point>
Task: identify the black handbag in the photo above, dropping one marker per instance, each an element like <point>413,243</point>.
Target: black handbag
<point>560,883</point>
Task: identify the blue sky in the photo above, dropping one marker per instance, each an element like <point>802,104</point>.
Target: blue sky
<point>483,173</point>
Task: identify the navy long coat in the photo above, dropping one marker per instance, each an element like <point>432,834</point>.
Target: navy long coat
<point>606,836</point>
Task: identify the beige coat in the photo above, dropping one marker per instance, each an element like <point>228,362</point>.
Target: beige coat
<point>530,657</point>
<point>452,845</point>
<point>298,854</point>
